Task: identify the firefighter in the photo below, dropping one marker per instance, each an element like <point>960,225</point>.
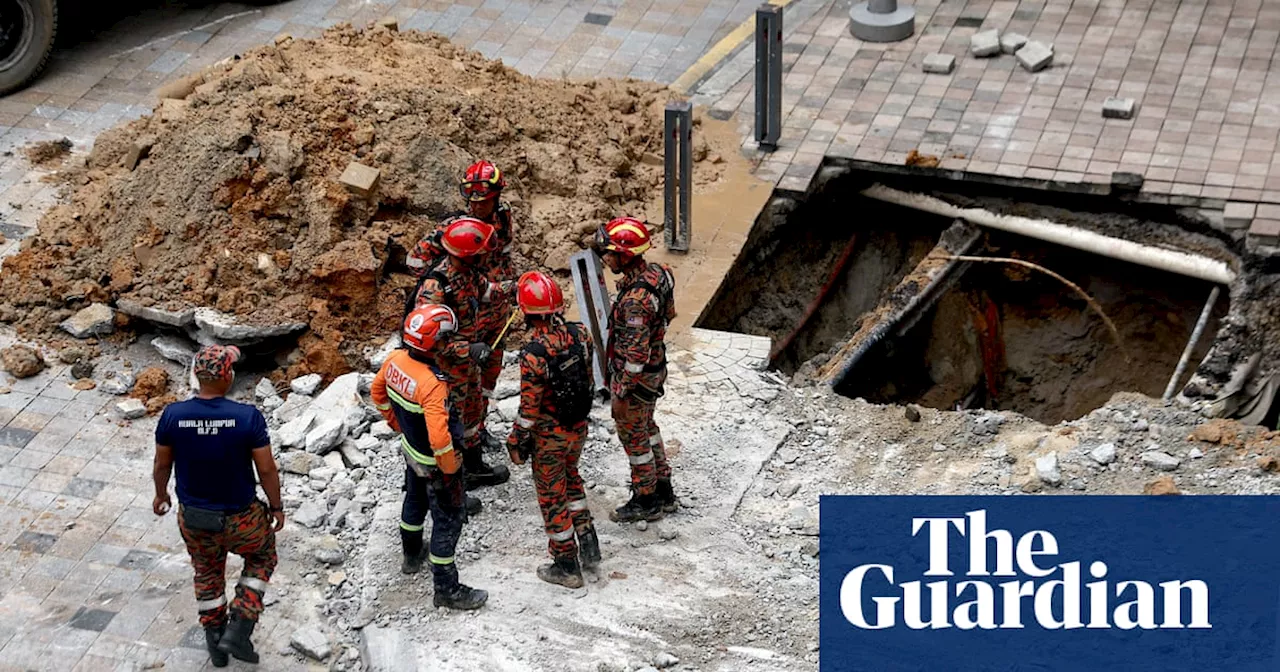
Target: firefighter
<point>455,280</point>
<point>214,445</point>
<point>637,363</point>
<point>411,393</point>
<point>556,391</point>
<point>481,188</point>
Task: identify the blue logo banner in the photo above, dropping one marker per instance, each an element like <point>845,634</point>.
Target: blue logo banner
<point>1050,584</point>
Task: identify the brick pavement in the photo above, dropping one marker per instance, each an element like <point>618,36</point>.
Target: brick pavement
<point>90,580</point>
<point>1204,76</point>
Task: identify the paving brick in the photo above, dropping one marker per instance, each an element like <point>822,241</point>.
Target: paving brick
<point>1035,56</point>
<point>1011,42</point>
<point>1265,231</point>
<point>939,64</point>
<point>1118,108</point>
<point>1238,215</point>
<point>985,43</point>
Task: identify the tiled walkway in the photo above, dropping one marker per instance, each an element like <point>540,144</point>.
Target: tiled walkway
<point>1205,77</point>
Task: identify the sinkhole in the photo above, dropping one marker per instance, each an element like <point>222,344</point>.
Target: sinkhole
<point>818,275</point>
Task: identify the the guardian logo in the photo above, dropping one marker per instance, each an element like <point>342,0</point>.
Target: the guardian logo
<point>1036,590</point>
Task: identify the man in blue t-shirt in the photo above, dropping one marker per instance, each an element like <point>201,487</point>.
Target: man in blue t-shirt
<point>214,444</point>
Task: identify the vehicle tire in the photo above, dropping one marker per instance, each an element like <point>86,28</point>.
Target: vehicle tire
<point>27,30</point>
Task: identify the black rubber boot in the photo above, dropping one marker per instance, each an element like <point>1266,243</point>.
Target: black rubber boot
<point>474,506</point>
<point>490,443</point>
<point>452,594</point>
<point>235,640</point>
<point>667,496</point>
<point>589,547</point>
<point>479,474</point>
<point>414,553</point>
<point>641,507</point>
<point>211,638</point>
<point>562,572</point>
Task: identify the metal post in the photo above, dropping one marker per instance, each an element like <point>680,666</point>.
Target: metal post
<point>678,174</point>
<point>1191,342</point>
<point>593,306</point>
<point>768,76</point>
<point>882,21</point>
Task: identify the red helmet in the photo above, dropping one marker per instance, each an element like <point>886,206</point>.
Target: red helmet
<point>627,236</point>
<point>467,237</point>
<point>538,294</point>
<point>424,326</point>
<point>482,182</point>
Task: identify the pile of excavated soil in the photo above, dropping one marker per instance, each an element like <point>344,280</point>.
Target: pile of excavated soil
<point>235,202</point>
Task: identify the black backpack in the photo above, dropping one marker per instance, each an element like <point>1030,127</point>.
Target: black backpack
<point>569,376</point>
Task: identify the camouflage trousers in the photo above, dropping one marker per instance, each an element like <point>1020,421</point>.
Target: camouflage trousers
<point>642,440</point>
<point>561,496</point>
<point>248,534</point>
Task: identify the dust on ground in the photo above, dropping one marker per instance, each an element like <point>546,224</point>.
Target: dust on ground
<point>235,202</point>
<point>47,152</point>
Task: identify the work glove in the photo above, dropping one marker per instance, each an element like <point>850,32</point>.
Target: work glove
<point>480,352</point>
<point>521,449</point>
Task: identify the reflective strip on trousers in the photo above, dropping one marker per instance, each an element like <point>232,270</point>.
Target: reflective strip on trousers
<point>561,536</point>
<point>578,505</point>
<point>656,439</point>
<point>253,584</point>
<point>525,422</point>
<point>413,454</point>
<point>632,367</point>
<point>411,528</point>
<point>210,605</point>
<point>437,560</point>
<point>641,459</point>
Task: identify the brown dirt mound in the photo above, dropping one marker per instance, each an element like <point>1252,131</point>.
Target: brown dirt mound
<point>237,204</point>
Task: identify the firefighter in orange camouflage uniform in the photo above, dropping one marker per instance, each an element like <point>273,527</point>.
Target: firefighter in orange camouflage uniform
<point>556,390</point>
<point>456,280</point>
<point>481,188</point>
<point>637,363</point>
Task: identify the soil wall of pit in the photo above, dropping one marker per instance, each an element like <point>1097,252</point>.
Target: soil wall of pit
<point>1012,338</point>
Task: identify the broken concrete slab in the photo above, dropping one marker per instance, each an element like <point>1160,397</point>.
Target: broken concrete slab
<point>298,462</point>
<point>1010,43</point>
<point>1157,459</point>
<point>311,514</point>
<point>293,434</point>
<point>325,436</point>
<point>354,456</point>
<point>387,650</point>
<point>939,64</point>
<point>293,407</point>
<point>131,409</point>
<point>307,384</point>
<point>390,23</point>
<point>360,179</point>
<point>382,430</point>
<point>173,318</point>
<point>96,320</point>
<point>1118,108</point>
<point>264,389</point>
<point>985,43</point>
<point>174,348</point>
<point>225,327</point>
<point>343,393</point>
<point>1035,56</point>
